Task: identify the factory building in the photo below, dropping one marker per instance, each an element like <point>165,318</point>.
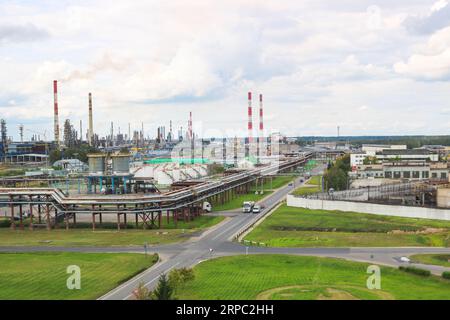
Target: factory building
<point>402,170</point>
<point>397,163</point>
<point>371,150</point>
<point>407,155</point>
<point>109,174</point>
<point>26,152</point>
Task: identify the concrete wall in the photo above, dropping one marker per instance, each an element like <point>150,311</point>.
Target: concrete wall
<point>364,207</point>
<point>443,198</point>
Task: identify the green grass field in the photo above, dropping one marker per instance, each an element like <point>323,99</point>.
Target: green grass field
<point>42,276</point>
<point>237,202</point>
<point>436,259</point>
<point>107,237</point>
<point>277,182</point>
<point>315,180</point>
<point>268,188</point>
<point>304,190</point>
<point>303,278</point>
<point>313,186</point>
<point>298,227</point>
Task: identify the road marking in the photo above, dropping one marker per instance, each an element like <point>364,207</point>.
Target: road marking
<point>227,229</point>
<point>129,282</point>
<point>146,284</point>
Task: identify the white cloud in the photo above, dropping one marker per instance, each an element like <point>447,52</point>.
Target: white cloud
<point>151,62</point>
<point>432,59</point>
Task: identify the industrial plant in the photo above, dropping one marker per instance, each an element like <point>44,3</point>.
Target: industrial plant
<point>129,174</point>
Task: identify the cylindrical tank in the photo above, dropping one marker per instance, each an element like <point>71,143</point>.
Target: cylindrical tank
<point>121,164</point>
<point>96,164</point>
<point>176,175</point>
<point>163,178</point>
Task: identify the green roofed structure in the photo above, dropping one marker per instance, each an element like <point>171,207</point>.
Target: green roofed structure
<point>177,160</point>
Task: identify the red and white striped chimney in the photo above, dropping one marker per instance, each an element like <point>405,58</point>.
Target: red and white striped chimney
<point>261,122</point>
<point>56,117</point>
<point>250,119</point>
<point>261,115</point>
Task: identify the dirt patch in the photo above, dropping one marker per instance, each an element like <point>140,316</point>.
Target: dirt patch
<point>335,294</point>
<point>424,231</point>
<point>332,293</point>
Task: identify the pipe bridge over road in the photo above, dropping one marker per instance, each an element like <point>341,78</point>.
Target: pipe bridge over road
<point>187,202</point>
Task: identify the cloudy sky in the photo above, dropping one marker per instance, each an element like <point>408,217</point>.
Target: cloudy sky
<point>372,67</point>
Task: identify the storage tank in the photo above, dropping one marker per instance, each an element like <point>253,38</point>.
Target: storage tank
<point>191,171</point>
<point>96,164</point>
<point>203,169</point>
<point>146,171</point>
<point>176,175</point>
<point>163,178</point>
<point>121,164</point>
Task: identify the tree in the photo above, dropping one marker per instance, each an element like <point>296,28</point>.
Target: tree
<point>76,152</point>
<point>142,293</point>
<point>370,160</point>
<point>124,150</point>
<point>164,290</point>
<point>178,277</point>
<point>336,176</point>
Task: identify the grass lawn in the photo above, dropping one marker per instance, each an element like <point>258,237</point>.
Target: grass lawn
<point>42,276</point>
<point>106,237</point>
<point>303,278</point>
<point>237,202</point>
<point>304,190</point>
<point>277,182</point>
<point>313,186</point>
<point>299,227</point>
<point>268,188</point>
<point>315,180</point>
<point>436,259</point>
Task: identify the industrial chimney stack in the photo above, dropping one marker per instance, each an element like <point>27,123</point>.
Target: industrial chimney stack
<point>261,124</point>
<point>250,124</point>
<point>56,117</point>
<point>91,122</point>
<point>190,134</point>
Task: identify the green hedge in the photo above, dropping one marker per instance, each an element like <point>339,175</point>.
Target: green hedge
<point>418,271</point>
<point>446,275</point>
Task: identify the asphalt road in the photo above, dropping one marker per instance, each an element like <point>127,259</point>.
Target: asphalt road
<point>219,237</point>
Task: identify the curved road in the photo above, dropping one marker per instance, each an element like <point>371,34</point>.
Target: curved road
<point>218,238</point>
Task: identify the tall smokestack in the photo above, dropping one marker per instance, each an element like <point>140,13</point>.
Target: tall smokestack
<point>129,132</point>
<point>250,124</point>
<point>261,124</point>
<point>81,130</point>
<point>56,118</point>
<point>190,136</point>
<point>91,122</point>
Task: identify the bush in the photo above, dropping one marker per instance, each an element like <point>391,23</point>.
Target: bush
<point>446,275</point>
<point>5,223</point>
<point>417,271</point>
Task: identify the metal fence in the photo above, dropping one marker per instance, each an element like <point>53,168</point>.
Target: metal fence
<point>383,192</point>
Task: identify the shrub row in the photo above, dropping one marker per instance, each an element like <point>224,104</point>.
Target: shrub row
<point>446,275</point>
<point>417,271</point>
